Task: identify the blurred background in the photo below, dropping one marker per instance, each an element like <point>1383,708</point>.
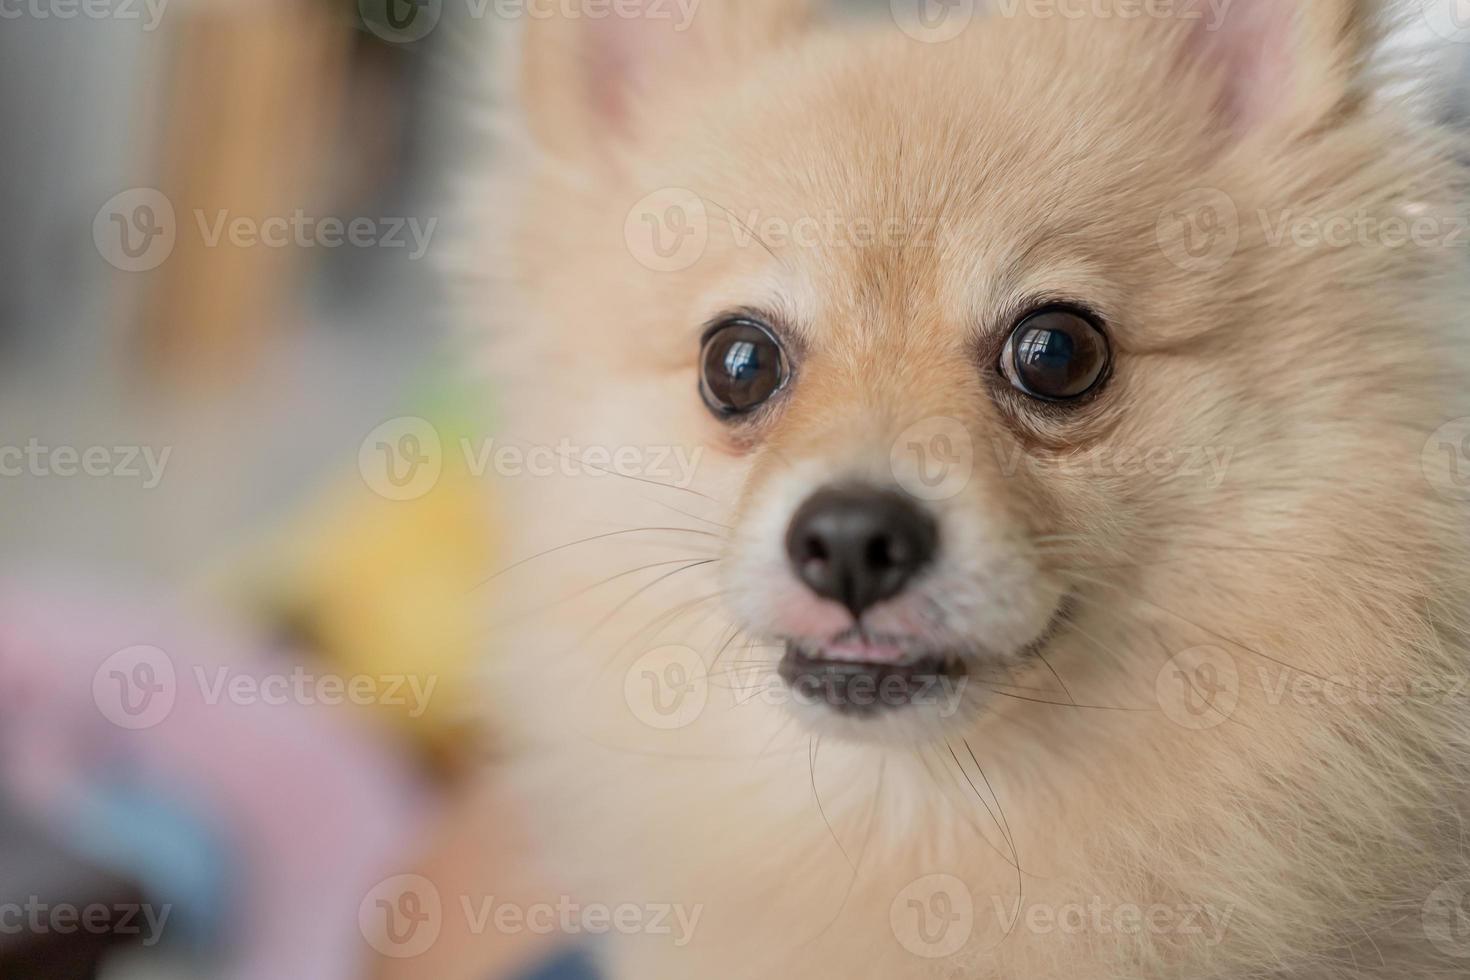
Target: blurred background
<point>240,549</point>
<point>236,653</point>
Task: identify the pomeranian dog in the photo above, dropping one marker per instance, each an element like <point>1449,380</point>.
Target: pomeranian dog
<point>1007,510</point>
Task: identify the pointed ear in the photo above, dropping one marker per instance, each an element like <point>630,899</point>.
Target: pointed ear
<point>1289,64</point>
<point>583,78</point>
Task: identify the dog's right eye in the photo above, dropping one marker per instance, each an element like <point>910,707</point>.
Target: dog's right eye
<point>740,367</point>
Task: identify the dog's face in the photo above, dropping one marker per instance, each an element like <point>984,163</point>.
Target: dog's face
<point>1018,369</point>
<point>987,343</point>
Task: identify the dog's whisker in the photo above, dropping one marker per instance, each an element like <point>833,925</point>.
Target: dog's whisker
<point>689,514</point>
<point>589,540</point>
<point>755,236</point>
<point>812,767</point>
<point>1002,824</point>
<point>541,610</point>
<point>1006,826</point>
<point>659,622</point>
<point>1062,704</point>
<point>966,811</point>
<point>869,822</point>
<point>1201,627</point>
<point>642,590</point>
<point>648,481</point>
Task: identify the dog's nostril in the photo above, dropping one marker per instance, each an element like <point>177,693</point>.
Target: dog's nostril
<point>815,549</point>
<point>859,545</point>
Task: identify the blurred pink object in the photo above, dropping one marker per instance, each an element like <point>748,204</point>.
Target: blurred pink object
<point>312,803</point>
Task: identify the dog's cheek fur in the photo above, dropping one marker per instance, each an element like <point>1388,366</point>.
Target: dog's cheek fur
<point>1320,827</point>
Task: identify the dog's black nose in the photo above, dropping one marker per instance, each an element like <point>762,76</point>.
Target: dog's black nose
<point>859,545</point>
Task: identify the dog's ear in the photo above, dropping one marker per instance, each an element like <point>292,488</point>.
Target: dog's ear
<point>1282,64</point>
<point>584,79</point>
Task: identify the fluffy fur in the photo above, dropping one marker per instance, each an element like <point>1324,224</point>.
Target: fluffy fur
<point>1028,158</point>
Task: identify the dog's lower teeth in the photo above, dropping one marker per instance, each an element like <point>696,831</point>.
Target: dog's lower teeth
<point>864,688</point>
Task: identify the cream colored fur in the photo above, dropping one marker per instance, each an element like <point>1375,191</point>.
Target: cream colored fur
<point>1046,150</point>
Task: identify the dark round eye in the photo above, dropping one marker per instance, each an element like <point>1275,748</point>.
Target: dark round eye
<point>740,367</point>
<point>1056,354</point>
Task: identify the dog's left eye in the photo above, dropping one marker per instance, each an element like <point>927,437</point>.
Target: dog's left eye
<point>741,367</point>
<point>1056,354</point>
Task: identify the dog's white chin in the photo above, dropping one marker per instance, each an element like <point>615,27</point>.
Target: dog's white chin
<point>908,727</point>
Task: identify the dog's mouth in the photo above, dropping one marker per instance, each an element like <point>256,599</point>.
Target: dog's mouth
<point>859,686</point>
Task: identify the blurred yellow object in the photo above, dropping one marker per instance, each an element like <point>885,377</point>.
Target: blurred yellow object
<point>389,589</point>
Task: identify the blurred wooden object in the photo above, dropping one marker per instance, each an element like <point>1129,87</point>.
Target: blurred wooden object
<point>250,121</point>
